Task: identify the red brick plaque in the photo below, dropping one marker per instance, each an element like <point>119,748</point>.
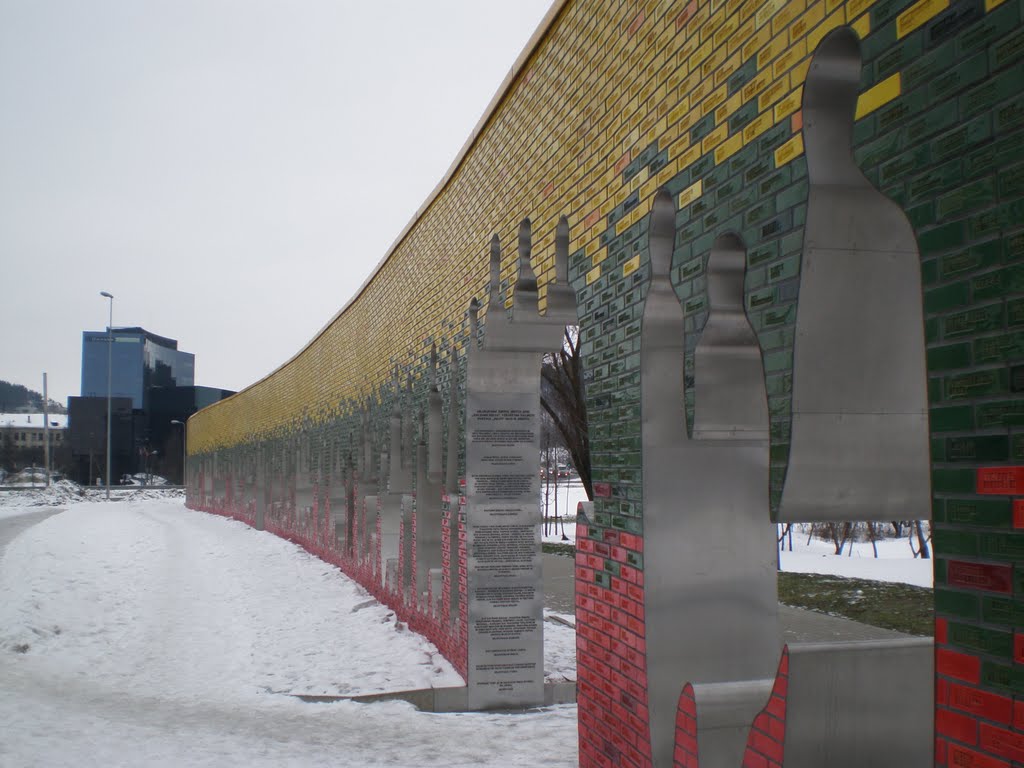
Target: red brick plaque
<point>1000,481</point>
<point>1002,742</point>
<point>962,757</point>
<point>958,665</point>
<point>990,706</point>
<point>996,578</point>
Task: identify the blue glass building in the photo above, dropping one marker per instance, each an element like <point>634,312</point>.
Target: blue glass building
<point>140,361</point>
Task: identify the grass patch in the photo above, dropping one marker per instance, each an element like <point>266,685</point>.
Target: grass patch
<point>901,607</point>
<point>556,548</point>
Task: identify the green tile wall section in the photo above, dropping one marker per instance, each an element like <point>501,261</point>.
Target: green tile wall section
<point>766,207</point>
<point>958,170</point>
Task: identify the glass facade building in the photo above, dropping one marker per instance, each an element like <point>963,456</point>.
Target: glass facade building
<point>152,387</point>
<point>140,361</point>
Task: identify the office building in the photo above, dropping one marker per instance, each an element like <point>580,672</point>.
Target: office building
<point>152,386</point>
<point>139,361</point>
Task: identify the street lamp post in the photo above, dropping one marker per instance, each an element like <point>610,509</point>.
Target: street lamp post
<point>184,454</point>
<point>110,353</point>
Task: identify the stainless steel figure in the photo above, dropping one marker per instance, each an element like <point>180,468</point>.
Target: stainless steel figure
<point>390,506</point>
<point>859,446</point>
<point>709,546</point>
<point>262,485</point>
<point>400,446</point>
<point>429,478</point>
<point>725,712</point>
<point>858,704</point>
<point>731,402</point>
<point>405,574</point>
<point>368,528</point>
<point>451,475</point>
<point>434,421</point>
<point>399,476</point>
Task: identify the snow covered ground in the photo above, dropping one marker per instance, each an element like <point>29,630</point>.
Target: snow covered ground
<point>142,633</point>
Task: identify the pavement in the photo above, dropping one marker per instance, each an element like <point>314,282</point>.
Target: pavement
<point>796,625</point>
<point>12,526</point>
<point>559,583</point>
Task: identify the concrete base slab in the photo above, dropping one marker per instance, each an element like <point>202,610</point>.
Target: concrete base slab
<point>799,625</point>
<point>446,699</point>
<point>559,582</point>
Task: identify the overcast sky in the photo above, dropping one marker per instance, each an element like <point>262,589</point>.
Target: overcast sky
<point>231,170</point>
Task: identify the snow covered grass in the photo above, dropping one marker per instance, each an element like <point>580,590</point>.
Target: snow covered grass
<point>895,561</point>
<point>142,633</point>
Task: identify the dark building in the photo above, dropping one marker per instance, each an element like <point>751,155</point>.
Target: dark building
<point>87,418</point>
<point>175,404</point>
<point>152,386</point>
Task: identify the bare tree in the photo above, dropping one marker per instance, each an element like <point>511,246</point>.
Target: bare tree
<point>836,532</point>
<point>785,533</point>
<point>922,551</point>
<point>563,397</point>
<point>873,537</point>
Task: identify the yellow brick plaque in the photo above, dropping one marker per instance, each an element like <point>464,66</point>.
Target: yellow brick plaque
<point>875,97</point>
<point>790,150</point>
<point>691,193</point>
<point>758,126</point>
<point>789,105</point>
<point>728,148</point>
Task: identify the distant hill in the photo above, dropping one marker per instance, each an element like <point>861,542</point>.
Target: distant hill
<point>15,398</point>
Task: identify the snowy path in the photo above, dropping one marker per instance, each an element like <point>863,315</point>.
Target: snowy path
<point>17,520</point>
<point>141,633</point>
<point>146,634</point>
<point>51,722</point>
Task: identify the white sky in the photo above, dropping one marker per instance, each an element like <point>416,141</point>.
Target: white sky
<point>231,170</point>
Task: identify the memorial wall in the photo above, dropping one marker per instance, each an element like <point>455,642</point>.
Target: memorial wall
<point>795,243</point>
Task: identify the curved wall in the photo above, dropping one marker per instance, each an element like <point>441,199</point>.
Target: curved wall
<point>614,101</point>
